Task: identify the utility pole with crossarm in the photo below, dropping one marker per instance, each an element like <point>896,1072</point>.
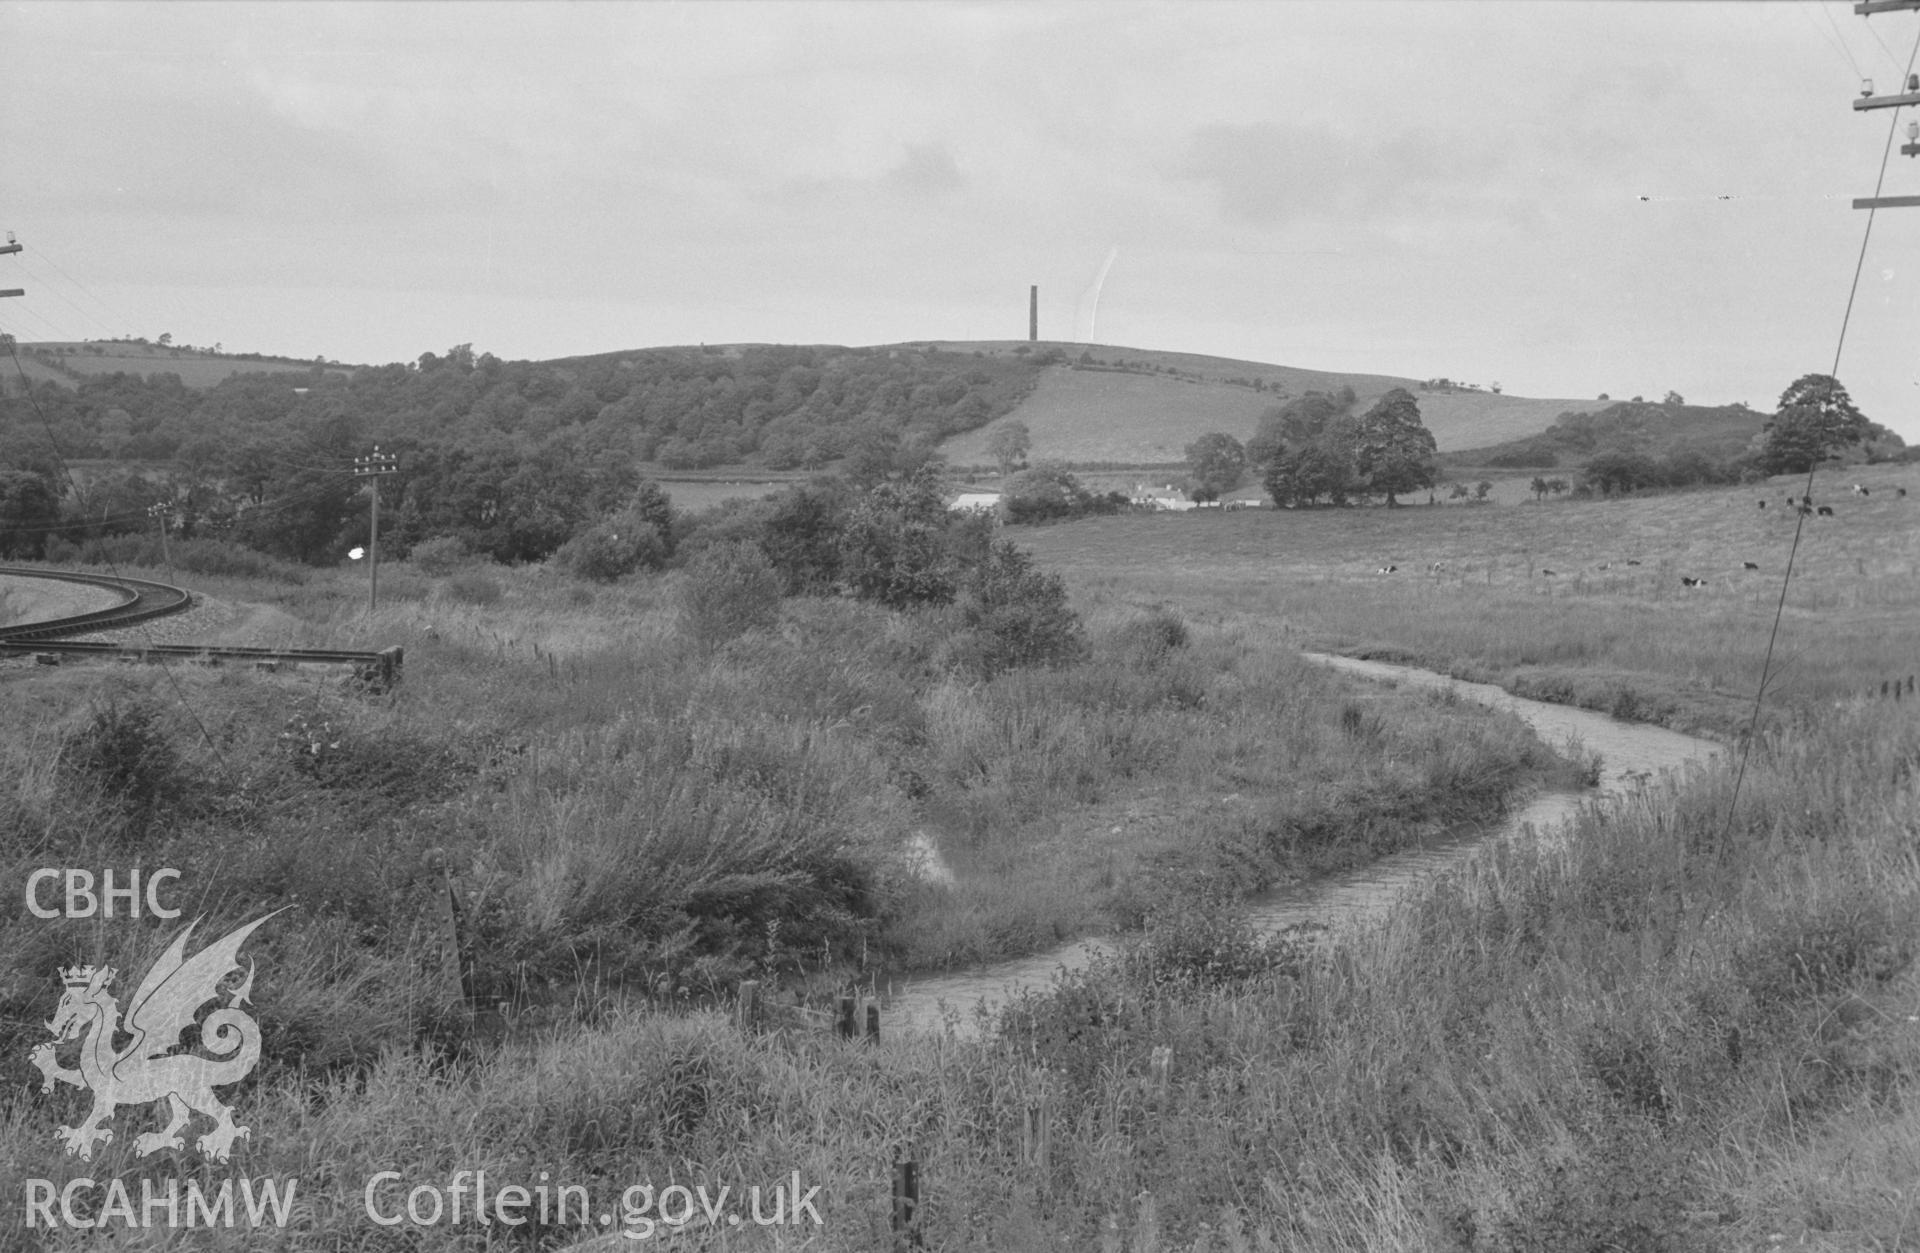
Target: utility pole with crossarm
<point>373,466</point>
<point>1868,100</point>
<point>6,248</point>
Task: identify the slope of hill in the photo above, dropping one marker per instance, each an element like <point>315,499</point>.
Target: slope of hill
<point>198,368</point>
<point>1103,403</point>
<point>1719,433</point>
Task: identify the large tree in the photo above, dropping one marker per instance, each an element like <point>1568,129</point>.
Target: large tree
<point>1395,450</point>
<point>1215,463</point>
<point>29,511</point>
<point>1815,421</point>
<point>1008,445</point>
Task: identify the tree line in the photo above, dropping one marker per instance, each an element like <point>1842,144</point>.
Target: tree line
<point>512,458</point>
<point>1320,448</point>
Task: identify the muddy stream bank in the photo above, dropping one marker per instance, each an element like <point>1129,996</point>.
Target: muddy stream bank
<point>1632,754</point>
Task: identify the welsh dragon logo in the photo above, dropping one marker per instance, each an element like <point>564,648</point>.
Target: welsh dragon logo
<point>147,1069</point>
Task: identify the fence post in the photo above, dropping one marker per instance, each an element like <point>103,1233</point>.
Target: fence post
<point>1161,1065</point>
<point>873,1024</point>
<point>1040,1133</point>
<point>843,1025</point>
<point>453,967</point>
<point>906,1206</point>
<point>747,1012</point>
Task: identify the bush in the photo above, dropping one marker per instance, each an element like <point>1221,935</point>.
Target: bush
<point>475,587</point>
<point>728,590</point>
<point>1017,615</point>
<point>611,550</point>
<point>1145,641</point>
<point>441,555</point>
<point>225,558</point>
<point>123,752</point>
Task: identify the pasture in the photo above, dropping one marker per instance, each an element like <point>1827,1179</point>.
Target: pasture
<point>1631,637</point>
<point>1149,418</point>
<point>197,368</point>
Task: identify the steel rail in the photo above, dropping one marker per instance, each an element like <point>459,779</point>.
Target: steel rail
<point>141,601</point>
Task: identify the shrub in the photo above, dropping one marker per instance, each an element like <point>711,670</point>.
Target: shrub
<point>441,555</point>
<point>123,752</point>
<point>610,550</point>
<point>1146,640</point>
<point>1017,615</point>
<point>225,558</point>
<point>728,590</point>
<point>475,587</point>
<point>900,544</point>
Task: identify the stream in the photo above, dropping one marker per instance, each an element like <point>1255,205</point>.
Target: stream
<point>1632,755</point>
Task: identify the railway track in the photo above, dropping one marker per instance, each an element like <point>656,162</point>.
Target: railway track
<point>141,601</point>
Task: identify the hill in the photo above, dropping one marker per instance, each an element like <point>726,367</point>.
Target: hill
<point>1105,403</point>
<point>1719,433</point>
<point>199,368</point>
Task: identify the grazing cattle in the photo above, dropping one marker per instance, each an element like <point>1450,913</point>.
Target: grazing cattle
<point>1899,491</point>
<point>1825,511</point>
<point>1606,565</point>
<point>1689,582</point>
<point>1750,565</point>
<point>1633,563</point>
<point>1763,504</point>
<point>1861,491</point>
<point>1387,569</point>
<point>1805,511</point>
<point>1436,567</point>
<point>1546,572</point>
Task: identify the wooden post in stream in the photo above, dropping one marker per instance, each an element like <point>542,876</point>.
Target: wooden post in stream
<point>452,966</point>
<point>843,1022</point>
<point>906,1206</point>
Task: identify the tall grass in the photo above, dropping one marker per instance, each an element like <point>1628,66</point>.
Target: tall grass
<point>620,804</point>
<point>1627,1038</point>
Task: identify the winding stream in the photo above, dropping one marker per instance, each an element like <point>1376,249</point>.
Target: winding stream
<point>1631,755</point>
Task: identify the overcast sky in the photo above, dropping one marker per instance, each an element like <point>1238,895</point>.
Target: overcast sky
<point>1565,198</point>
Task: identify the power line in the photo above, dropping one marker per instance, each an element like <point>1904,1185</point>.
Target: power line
<point>173,680</point>
<point>61,296</point>
<point>44,255</point>
<point>1800,520</point>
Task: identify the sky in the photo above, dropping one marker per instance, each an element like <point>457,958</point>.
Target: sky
<point>1564,198</point>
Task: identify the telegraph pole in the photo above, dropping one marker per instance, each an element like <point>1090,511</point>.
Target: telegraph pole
<point>6,248</point>
<point>373,466</point>
<point>1868,100</point>
<point>160,511</point>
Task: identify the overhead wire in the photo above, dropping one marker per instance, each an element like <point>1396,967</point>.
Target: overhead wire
<point>1835,40</point>
<point>173,680</point>
<point>40,281</point>
<point>41,253</point>
<point>279,504</point>
<point>1800,518</point>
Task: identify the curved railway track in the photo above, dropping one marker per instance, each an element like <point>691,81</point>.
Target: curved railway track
<point>142,600</point>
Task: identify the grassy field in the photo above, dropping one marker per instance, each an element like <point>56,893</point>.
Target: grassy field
<point>1630,637</point>
<point>195,367</point>
<point>1144,418</point>
<point>1669,1032</point>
